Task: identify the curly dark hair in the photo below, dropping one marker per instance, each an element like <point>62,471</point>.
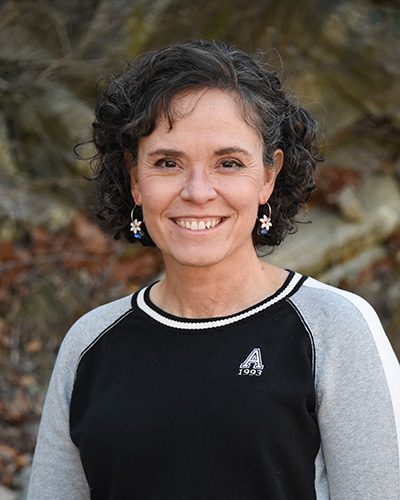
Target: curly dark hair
<point>132,104</point>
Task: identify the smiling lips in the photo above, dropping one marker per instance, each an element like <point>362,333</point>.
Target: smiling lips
<point>198,225</point>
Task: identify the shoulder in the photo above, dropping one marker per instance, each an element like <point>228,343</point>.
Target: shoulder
<point>90,326</point>
<point>343,326</point>
<point>347,334</point>
<point>324,305</point>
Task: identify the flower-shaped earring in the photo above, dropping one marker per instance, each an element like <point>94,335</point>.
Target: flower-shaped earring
<point>265,222</point>
<point>135,226</point>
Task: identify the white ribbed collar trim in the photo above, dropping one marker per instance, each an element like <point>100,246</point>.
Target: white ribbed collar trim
<point>217,322</point>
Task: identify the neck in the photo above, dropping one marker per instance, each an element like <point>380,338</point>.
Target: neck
<point>205,292</point>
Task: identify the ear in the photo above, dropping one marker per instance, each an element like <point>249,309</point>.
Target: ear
<point>271,172</point>
<point>132,171</point>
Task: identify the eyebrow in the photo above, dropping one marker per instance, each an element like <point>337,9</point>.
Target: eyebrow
<point>165,152</point>
<point>231,150</point>
<point>219,152</point>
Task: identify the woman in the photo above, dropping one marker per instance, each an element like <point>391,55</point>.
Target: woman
<point>230,378</point>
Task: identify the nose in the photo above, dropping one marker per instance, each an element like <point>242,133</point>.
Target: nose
<point>198,186</point>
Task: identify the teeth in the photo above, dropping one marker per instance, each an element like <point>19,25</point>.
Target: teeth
<point>198,226</point>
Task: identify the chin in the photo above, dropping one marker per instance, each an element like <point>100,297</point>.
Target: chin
<point>193,259</point>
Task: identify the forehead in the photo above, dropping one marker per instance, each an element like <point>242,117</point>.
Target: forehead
<point>185,103</point>
<point>202,114</point>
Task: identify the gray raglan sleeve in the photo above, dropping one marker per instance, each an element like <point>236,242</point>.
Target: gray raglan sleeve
<point>57,472</point>
<point>358,397</point>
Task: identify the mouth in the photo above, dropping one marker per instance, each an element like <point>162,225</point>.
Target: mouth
<point>198,225</point>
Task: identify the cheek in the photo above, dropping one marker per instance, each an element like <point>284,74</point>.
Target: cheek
<point>155,201</point>
<point>244,194</point>
<point>158,191</point>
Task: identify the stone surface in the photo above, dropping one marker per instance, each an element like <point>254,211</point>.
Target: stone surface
<point>7,494</point>
<point>330,240</point>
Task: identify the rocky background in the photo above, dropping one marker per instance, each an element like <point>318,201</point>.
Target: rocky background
<point>341,58</point>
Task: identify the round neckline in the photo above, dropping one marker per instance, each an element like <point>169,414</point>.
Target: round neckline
<point>146,305</point>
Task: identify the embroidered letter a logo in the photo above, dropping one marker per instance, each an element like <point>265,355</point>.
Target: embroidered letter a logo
<point>255,359</point>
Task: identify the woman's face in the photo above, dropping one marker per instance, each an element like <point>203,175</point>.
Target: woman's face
<point>201,182</point>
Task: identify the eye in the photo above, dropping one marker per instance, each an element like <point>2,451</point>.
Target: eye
<point>166,163</point>
<point>231,164</point>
